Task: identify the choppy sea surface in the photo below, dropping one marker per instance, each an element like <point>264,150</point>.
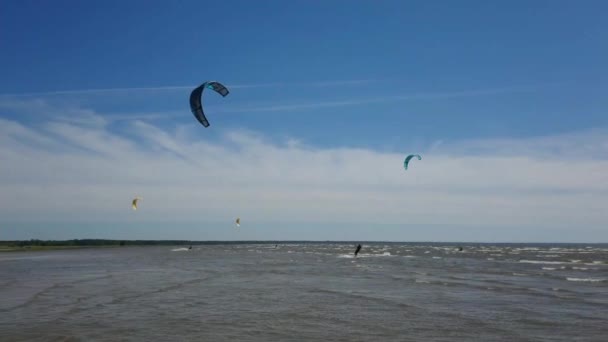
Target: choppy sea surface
<point>307,292</point>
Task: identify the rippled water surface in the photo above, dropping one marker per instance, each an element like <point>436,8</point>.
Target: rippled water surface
<point>303,292</point>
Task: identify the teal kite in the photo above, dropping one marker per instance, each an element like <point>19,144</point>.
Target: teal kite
<point>408,158</point>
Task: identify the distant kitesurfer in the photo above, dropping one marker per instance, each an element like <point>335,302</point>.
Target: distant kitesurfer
<point>190,247</point>
<point>460,249</point>
<point>358,249</point>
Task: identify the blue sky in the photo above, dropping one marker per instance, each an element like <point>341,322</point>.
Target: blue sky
<point>506,101</point>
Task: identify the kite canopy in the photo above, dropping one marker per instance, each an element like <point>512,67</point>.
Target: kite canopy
<point>408,158</point>
<point>196,99</point>
<point>134,203</point>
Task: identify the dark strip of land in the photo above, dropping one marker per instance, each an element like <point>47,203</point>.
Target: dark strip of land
<point>35,244</point>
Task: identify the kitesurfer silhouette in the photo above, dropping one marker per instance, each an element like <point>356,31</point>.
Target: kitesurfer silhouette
<point>358,249</point>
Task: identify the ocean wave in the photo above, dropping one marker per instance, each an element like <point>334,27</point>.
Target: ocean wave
<point>543,262</point>
<point>385,254</point>
<point>596,263</point>
<point>593,280</point>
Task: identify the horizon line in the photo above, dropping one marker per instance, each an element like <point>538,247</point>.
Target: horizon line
<point>306,241</point>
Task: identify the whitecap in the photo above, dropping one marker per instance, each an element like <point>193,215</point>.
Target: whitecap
<point>593,280</point>
<point>542,262</point>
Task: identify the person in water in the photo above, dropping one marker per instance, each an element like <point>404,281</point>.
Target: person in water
<point>358,249</point>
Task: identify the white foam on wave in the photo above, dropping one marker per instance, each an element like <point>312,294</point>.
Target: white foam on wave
<point>179,249</point>
<point>436,257</point>
<point>364,255</point>
<point>542,262</point>
<point>592,280</point>
<point>580,268</point>
<point>549,268</point>
<point>348,256</point>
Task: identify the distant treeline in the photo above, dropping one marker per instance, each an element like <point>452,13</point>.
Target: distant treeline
<point>104,242</point>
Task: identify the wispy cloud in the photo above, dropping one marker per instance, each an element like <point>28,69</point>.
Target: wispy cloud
<point>569,147</point>
<point>45,110</point>
<point>97,91</point>
<point>73,171</point>
<point>386,99</point>
<point>102,91</point>
<point>41,106</point>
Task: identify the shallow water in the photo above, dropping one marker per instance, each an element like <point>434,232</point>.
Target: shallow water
<point>303,292</point>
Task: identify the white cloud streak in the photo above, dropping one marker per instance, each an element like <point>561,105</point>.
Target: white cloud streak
<point>389,98</point>
<point>105,91</point>
<point>41,107</point>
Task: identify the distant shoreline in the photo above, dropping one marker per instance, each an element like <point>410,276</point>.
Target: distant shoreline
<point>12,249</point>
<point>46,245</point>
